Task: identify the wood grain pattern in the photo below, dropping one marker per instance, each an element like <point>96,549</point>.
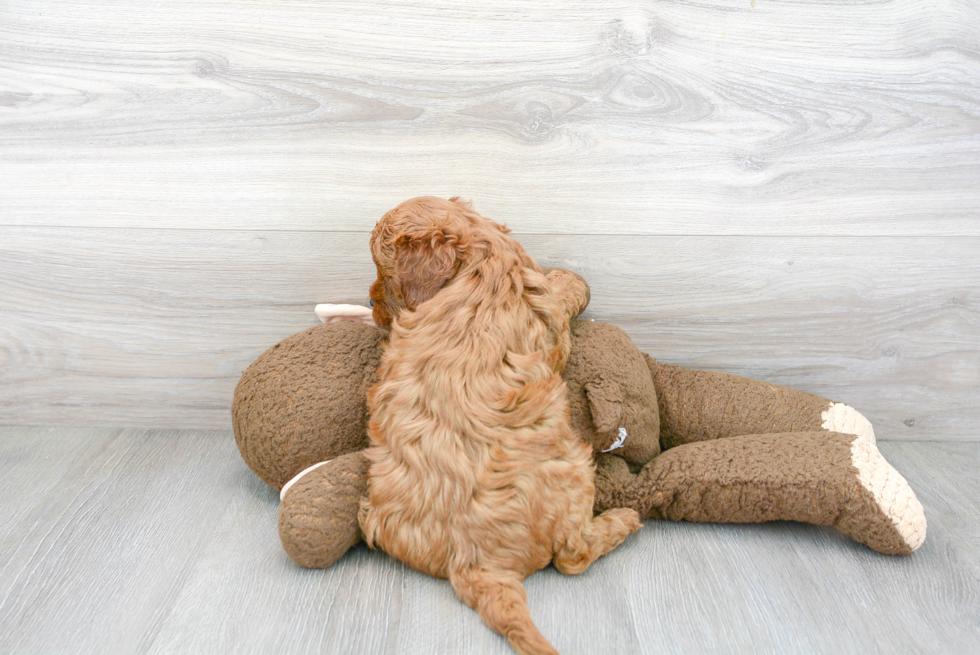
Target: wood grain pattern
<point>181,181</point>
<point>162,542</point>
<point>153,327</point>
<point>91,564</point>
<point>710,117</point>
<point>33,462</point>
<point>785,190</point>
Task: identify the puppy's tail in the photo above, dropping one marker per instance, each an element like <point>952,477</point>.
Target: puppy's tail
<point>500,599</point>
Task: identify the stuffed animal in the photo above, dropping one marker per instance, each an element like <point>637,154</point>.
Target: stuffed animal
<point>305,399</point>
<point>734,450</point>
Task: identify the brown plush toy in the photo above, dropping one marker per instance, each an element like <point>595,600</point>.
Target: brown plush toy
<point>734,450</point>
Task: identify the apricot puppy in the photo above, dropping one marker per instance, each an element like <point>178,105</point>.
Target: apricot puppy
<point>475,474</point>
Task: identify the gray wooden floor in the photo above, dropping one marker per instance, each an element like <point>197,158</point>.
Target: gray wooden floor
<point>132,541</point>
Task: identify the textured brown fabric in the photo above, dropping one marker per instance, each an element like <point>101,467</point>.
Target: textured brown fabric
<point>609,387</point>
<point>801,476</point>
<point>304,400</point>
<point>318,516</point>
<point>703,405</point>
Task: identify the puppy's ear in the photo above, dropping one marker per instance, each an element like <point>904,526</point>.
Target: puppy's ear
<point>424,261</point>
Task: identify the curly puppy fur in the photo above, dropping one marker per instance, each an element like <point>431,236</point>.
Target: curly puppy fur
<point>475,474</point>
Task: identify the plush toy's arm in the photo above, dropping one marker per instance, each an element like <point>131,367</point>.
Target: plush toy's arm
<point>824,478</point>
<point>318,513</point>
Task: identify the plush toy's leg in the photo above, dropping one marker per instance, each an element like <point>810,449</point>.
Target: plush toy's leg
<point>821,477</point>
<point>702,405</point>
<point>318,512</point>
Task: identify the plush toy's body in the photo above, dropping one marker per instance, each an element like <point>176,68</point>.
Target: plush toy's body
<point>734,450</point>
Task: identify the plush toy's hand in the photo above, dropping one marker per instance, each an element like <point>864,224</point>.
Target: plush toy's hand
<point>318,513</point>
<point>330,313</point>
<point>612,402</point>
<point>607,399</point>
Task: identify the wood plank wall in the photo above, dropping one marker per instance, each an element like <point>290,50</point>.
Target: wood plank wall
<point>788,190</point>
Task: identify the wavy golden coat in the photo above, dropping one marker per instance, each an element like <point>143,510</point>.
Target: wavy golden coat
<point>475,474</point>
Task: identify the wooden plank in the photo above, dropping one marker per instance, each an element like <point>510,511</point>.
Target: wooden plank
<point>786,587</point>
<point>243,592</point>
<point>153,327</point>
<point>161,542</point>
<point>944,476</point>
<point>734,589</point>
<point>596,602</point>
<point>778,587</point>
<point>886,614</point>
<point>705,118</point>
<point>33,462</point>
<point>95,564</point>
<point>882,589</point>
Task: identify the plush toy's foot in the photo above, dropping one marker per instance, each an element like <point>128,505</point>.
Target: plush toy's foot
<point>318,513</point>
<point>824,478</point>
<point>889,492</point>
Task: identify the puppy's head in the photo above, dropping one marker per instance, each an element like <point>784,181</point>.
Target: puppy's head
<point>418,247</point>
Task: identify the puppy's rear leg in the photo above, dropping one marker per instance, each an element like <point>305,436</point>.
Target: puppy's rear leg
<point>599,536</point>
<point>500,599</point>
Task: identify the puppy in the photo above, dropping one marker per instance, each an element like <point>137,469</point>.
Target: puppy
<point>475,474</point>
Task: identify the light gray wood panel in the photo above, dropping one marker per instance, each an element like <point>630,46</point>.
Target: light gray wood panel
<point>153,327</point>
<point>786,587</point>
<point>162,542</point>
<point>714,117</point>
<point>33,461</point>
<point>93,564</point>
<point>244,594</point>
<point>683,578</point>
<point>948,475</point>
<point>944,478</point>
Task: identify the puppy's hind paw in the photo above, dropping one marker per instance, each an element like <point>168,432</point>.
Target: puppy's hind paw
<point>626,519</point>
<point>614,525</point>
